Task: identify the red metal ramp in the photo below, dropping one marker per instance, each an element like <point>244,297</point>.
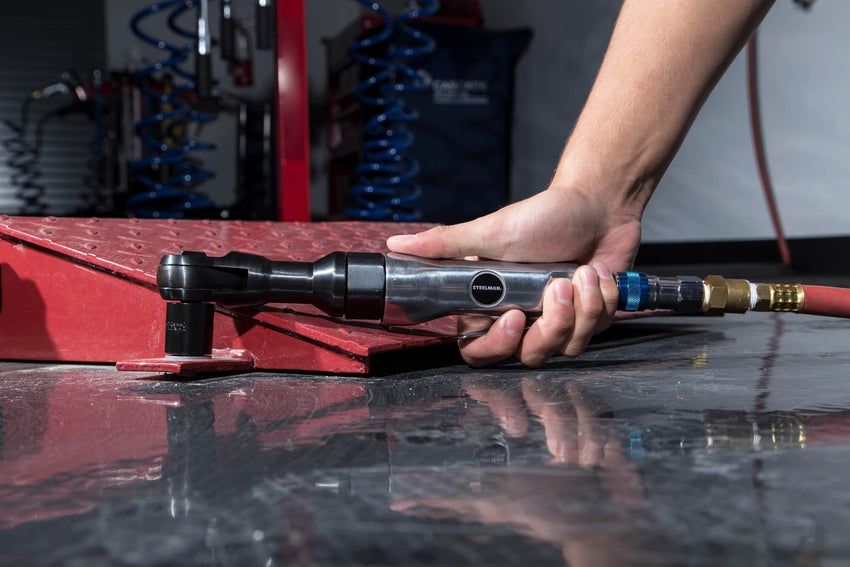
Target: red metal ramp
<point>84,290</point>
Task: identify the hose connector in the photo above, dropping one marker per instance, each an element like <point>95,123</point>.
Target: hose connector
<point>784,297</point>
<point>639,292</point>
<point>722,295</point>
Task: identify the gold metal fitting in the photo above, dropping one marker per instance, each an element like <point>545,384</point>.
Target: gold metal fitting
<point>764,292</point>
<point>779,297</point>
<point>714,300</point>
<point>725,296</point>
<point>738,296</point>
<point>784,297</point>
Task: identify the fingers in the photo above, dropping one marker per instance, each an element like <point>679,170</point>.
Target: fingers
<point>573,311</point>
<point>472,238</point>
<point>558,419</point>
<point>589,307</point>
<point>591,440</point>
<point>553,328</point>
<point>506,406</point>
<point>500,342</point>
<point>610,295</point>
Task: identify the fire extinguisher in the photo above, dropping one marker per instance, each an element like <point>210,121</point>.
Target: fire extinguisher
<point>242,65</point>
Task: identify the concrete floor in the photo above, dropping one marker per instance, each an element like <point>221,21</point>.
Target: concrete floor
<point>697,441</point>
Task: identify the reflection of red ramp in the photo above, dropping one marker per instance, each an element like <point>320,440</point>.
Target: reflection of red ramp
<point>84,290</point>
<point>68,438</point>
<point>72,438</point>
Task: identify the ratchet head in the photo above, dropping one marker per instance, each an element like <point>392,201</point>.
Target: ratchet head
<point>248,279</point>
<point>340,284</point>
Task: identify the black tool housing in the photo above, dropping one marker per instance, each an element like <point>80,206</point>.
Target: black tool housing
<point>340,284</point>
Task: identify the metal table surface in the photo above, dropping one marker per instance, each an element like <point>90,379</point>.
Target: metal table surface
<point>695,441</point>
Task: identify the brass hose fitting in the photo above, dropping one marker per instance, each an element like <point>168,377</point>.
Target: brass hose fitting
<point>786,297</point>
<point>723,295</point>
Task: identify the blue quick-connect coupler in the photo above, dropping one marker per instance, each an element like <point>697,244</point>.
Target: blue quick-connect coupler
<point>634,291</point>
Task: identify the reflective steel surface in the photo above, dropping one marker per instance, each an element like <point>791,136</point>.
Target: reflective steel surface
<point>692,441</point>
<point>422,289</point>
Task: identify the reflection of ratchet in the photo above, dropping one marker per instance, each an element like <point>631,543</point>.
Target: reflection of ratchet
<point>495,454</point>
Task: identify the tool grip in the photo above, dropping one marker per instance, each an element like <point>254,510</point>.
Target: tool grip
<point>420,289</point>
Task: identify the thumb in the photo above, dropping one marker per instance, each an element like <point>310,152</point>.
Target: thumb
<point>456,241</point>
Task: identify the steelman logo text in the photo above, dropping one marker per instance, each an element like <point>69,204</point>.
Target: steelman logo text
<point>487,289</point>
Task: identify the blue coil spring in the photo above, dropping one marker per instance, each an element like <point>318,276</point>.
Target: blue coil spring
<point>23,162</point>
<point>173,196</point>
<point>385,186</point>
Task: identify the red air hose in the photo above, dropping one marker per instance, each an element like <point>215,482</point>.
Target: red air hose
<point>758,146</point>
<point>829,301</point>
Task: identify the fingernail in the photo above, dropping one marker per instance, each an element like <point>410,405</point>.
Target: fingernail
<point>589,278</point>
<point>401,239</point>
<point>563,292</point>
<point>511,424</point>
<point>565,450</point>
<point>512,325</point>
<point>602,270</point>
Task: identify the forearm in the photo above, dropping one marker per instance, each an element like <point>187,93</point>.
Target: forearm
<point>663,60</point>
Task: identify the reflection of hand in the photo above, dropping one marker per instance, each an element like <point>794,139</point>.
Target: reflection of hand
<point>574,432</point>
<point>588,512</point>
<point>557,225</point>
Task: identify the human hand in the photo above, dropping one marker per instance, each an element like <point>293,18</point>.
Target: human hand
<point>587,504</point>
<point>556,225</point>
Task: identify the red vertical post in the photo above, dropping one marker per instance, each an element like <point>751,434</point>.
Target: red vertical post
<point>293,132</point>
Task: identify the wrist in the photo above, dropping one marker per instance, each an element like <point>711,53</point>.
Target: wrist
<point>623,185</point>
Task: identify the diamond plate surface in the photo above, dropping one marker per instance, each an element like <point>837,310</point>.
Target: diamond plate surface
<point>131,249</point>
<point>134,247</point>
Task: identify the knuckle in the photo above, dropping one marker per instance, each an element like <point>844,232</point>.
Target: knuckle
<point>611,300</point>
<point>555,327</point>
<point>440,240</point>
<point>603,325</point>
<point>573,350</point>
<point>476,360</point>
<point>477,363</point>
<point>593,309</point>
<point>477,354</point>
<point>536,355</point>
<point>441,230</point>
<point>534,360</point>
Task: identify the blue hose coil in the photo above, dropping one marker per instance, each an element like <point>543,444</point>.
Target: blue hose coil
<point>385,186</point>
<point>171,197</point>
<point>634,291</point>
